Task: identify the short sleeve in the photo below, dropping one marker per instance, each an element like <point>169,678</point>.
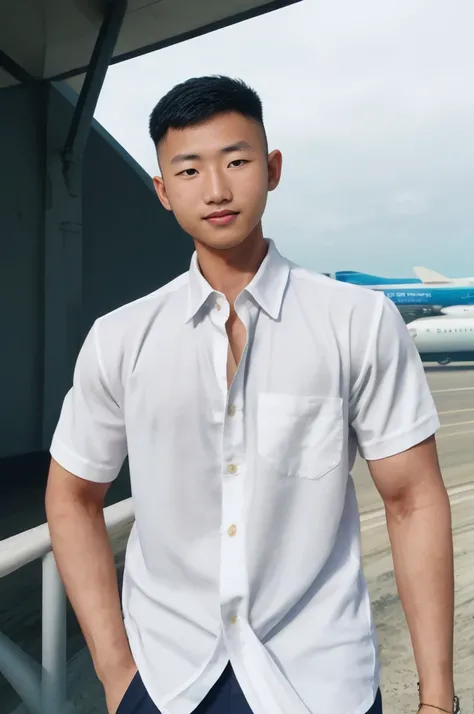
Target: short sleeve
<point>391,406</point>
<point>89,440</point>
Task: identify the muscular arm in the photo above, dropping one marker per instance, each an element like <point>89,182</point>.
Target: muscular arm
<point>85,560</point>
<point>419,525</point>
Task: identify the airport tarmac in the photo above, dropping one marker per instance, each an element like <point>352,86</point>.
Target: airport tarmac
<point>453,390</point>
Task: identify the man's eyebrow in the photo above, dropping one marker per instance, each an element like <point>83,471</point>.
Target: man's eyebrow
<point>184,157</point>
<point>237,146</point>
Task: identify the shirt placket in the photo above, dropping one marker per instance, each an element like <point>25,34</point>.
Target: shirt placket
<point>233,576</point>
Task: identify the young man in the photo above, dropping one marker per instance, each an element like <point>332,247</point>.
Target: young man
<point>240,392</point>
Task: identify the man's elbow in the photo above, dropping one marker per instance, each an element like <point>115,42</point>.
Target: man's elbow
<point>430,496</point>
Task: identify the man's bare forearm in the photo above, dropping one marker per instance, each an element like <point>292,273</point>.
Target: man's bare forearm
<point>421,539</point>
<point>86,564</point>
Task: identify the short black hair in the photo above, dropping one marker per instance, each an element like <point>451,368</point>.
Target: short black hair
<point>200,98</point>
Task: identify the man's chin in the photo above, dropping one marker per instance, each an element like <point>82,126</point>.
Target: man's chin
<point>222,242</point>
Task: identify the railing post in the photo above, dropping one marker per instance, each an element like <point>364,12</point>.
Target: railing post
<point>54,661</point>
<point>43,688</point>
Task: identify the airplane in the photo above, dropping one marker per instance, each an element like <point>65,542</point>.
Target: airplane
<point>443,339</point>
<point>429,294</point>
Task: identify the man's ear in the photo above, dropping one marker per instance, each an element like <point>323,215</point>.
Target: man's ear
<point>160,189</point>
<point>275,161</point>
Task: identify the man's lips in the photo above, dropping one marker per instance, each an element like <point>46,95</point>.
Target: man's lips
<point>221,218</point>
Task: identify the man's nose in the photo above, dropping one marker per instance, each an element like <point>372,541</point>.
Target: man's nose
<point>216,188</point>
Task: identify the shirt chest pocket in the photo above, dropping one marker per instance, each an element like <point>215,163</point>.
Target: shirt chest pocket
<point>300,436</point>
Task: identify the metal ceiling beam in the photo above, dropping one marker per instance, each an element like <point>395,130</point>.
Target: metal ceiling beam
<point>63,251</point>
<point>87,101</point>
<point>184,36</point>
<point>16,70</point>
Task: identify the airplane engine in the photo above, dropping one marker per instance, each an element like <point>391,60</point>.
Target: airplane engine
<point>459,310</point>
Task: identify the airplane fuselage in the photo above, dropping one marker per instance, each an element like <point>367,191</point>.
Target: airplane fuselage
<point>444,339</point>
<point>438,296</point>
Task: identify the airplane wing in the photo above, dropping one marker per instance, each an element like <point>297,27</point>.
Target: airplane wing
<point>426,275</point>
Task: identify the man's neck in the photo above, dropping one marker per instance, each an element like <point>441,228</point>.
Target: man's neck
<point>230,271</point>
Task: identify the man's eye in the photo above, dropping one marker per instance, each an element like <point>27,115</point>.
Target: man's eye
<point>237,163</point>
<point>189,172</point>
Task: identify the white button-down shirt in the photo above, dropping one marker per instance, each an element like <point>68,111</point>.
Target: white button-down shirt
<point>246,541</point>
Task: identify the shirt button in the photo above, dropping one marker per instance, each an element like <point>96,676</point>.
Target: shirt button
<point>232,410</point>
<point>232,469</point>
<point>234,619</point>
<point>232,530</point>
<point>218,306</point>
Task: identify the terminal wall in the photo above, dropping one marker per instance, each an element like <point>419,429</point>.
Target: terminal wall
<point>131,246</point>
<point>22,147</point>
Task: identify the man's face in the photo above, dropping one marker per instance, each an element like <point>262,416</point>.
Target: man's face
<point>216,177</point>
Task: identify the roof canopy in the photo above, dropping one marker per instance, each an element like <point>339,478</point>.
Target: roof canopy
<point>54,39</point>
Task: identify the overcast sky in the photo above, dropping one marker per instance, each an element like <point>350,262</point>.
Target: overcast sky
<point>372,105</point>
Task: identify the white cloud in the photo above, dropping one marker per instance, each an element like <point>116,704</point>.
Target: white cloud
<point>371,103</point>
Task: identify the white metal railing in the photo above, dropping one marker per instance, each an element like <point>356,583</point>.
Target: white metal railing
<point>42,688</point>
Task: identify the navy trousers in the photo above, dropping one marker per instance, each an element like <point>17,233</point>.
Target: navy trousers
<point>226,697</point>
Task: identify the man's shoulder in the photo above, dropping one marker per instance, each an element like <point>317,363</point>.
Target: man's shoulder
<point>334,294</point>
<point>144,309</point>
<point>120,333</point>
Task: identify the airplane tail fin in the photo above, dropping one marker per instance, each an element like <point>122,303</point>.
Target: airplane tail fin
<point>426,275</point>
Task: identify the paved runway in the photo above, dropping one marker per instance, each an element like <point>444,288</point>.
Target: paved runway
<point>453,390</point>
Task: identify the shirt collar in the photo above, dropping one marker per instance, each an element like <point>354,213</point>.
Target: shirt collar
<point>267,287</point>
